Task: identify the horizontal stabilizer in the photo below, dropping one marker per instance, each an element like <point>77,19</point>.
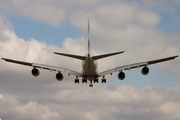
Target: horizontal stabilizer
<point>106,55</point>
<point>72,56</point>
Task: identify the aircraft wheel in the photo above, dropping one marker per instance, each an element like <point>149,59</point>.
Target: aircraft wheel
<point>84,80</point>
<point>103,80</point>
<point>96,80</point>
<point>76,81</point>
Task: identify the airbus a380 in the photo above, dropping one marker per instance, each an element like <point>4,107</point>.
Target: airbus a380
<point>89,66</point>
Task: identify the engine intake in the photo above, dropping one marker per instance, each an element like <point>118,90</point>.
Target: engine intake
<point>35,72</point>
<point>59,76</point>
<point>121,75</point>
<point>145,70</point>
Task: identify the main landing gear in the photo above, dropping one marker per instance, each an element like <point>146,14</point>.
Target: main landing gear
<point>103,80</point>
<point>84,80</point>
<point>76,80</point>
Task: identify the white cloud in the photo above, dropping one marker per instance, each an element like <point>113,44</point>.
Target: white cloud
<point>33,109</point>
<point>116,16</point>
<point>52,12</point>
<point>24,111</point>
<point>148,18</point>
<point>171,109</point>
<point>1,96</point>
<point>92,115</point>
<point>129,27</point>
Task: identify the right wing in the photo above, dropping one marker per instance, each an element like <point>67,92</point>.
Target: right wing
<point>42,66</point>
<point>135,65</point>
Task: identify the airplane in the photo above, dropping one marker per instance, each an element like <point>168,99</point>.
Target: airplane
<point>89,66</point>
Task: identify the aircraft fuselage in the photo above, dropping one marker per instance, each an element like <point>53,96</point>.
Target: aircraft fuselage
<point>89,68</point>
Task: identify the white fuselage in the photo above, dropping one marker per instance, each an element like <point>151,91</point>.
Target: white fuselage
<point>89,68</point>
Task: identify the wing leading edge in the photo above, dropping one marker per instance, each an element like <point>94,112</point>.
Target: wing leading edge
<point>42,66</point>
<point>135,65</point>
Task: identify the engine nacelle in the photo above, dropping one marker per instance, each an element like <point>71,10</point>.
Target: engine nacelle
<point>35,72</point>
<point>145,70</point>
<point>59,76</point>
<point>121,75</point>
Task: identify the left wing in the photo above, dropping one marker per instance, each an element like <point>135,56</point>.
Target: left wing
<point>135,65</point>
<point>47,67</point>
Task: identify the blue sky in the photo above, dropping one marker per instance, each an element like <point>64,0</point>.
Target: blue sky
<point>168,24</point>
<point>27,29</point>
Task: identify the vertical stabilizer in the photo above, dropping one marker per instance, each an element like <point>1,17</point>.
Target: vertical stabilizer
<point>89,46</point>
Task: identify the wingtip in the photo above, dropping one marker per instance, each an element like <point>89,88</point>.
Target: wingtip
<point>121,52</point>
<point>3,58</point>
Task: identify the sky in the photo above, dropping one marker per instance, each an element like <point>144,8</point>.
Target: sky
<point>31,30</point>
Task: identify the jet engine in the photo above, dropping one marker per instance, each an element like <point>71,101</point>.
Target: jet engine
<point>121,75</point>
<point>35,72</point>
<point>145,70</point>
<point>59,76</point>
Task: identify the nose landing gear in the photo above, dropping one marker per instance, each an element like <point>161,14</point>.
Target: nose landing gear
<point>91,85</point>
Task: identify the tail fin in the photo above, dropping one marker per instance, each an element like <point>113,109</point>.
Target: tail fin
<point>89,45</point>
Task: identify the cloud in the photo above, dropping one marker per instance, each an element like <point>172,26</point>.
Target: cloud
<point>129,27</point>
<point>119,102</point>
<point>36,11</point>
<point>116,16</point>
<point>1,96</point>
<point>49,12</point>
<point>24,110</point>
<point>41,112</point>
<point>33,51</point>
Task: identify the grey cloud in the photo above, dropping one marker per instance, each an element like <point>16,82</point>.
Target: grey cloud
<point>36,11</point>
<point>124,102</point>
<point>52,12</point>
